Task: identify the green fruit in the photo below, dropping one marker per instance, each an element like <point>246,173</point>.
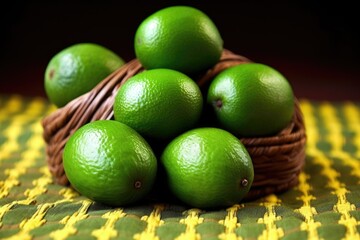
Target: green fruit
<point>208,167</point>
<point>110,163</point>
<point>252,100</point>
<point>159,103</point>
<point>182,38</point>
<point>76,70</point>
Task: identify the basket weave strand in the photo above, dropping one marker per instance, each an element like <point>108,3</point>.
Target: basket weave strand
<point>277,160</point>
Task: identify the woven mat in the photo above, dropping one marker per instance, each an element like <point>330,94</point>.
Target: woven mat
<point>324,205</point>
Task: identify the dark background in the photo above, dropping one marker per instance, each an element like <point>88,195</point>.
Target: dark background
<point>315,44</point>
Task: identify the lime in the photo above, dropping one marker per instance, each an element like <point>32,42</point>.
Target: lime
<point>110,163</point>
<point>182,38</point>
<point>208,167</point>
<point>252,100</point>
<point>75,70</point>
<point>159,103</point>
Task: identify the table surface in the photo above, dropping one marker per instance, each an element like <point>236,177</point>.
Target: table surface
<point>324,205</point>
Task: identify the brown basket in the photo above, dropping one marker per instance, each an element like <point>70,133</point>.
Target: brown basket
<point>277,160</point>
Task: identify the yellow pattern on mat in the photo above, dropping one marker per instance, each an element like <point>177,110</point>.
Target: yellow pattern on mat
<point>107,231</point>
<point>69,229</point>
<point>153,221</point>
<point>191,221</point>
<point>231,223</point>
<point>339,189</point>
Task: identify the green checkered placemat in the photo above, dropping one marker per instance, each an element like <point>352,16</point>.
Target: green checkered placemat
<point>324,205</point>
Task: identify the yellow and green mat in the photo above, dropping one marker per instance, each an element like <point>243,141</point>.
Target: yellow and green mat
<point>324,205</point>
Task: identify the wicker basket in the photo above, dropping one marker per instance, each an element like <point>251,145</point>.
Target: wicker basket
<point>277,160</point>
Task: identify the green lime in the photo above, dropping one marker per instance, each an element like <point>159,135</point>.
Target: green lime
<point>182,38</point>
<point>110,163</point>
<point>77,69</point>
<point>159,103</point>
<point>208,167</point>
<point>252,100</point>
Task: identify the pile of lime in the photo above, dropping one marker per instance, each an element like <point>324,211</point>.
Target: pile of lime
<point>158,134</point>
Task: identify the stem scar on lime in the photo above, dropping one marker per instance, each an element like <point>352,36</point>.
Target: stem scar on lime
<point>137,184</point>
<point>51,74</point>
<point>244,182</point>
<point>218,103</point>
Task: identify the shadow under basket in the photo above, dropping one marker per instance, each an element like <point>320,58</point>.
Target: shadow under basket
<point>277,160</point>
